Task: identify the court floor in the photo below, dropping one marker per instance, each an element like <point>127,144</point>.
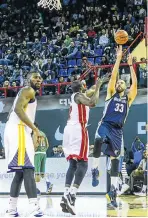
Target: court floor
<point>94,206</point>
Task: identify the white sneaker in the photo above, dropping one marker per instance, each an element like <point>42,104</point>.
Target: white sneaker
<point>12,213</point>
<point>125,187</point>
<point>36,212</point>
<point>141,194</point>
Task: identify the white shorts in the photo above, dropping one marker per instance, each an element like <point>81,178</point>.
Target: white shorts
<point>76,142</point>
<point>19,147</point>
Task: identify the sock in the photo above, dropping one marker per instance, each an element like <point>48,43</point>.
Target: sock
<point>12,204</point>
<point>47,177</point>
<point>46,180</point>
<point>95,163</point>
<point>66,192</point>
<point>37,185</point>
<point>144,188</point>
<point>73,190</point>
<point>114,182</point>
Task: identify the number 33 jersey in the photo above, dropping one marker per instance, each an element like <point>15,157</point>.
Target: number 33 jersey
<point>116,110</point>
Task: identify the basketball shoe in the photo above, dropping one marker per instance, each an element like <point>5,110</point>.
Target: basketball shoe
<point>95,177</point>
<point>111,197</point>
<point>11,213</point>
<point>49,187</point>
<point>36,211</point>
<point>69,201</point>
<point>63,204</point>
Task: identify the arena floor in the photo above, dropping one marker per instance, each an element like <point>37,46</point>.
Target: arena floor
<point>129,206</point>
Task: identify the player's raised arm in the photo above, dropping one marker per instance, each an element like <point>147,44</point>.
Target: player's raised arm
<point>133,89</point>
<point>83,99</point>
<point>112,82</point>
<point>25,96</point>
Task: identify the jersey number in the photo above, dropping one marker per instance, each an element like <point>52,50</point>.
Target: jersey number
<point>119,107</point>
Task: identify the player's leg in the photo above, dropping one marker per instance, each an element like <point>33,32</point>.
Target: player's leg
<point>14,194</point>
<point>80,172</point>
<point>30,187</point>
<point>100,138</point>
<point>113,149</point>
<point>69,178</point>
<point>45,175</point>
<point>11,146</point>
<point>111,196</point>
<point>29,179</point>
<point>37,165</point>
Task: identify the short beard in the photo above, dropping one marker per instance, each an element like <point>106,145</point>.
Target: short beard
<point>33,86</point>
<point>119,91</point>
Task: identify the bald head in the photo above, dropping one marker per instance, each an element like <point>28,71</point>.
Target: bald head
<point>76,86</point>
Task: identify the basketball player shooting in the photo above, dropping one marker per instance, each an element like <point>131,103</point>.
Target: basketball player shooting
<point>110,129</point>
<point>19,146</point>
<point>76,142</point>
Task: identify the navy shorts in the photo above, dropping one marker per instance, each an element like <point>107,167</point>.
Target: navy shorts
<point>112,139</point>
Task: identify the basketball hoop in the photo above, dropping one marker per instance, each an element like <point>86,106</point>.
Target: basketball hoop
<point>50,4</point>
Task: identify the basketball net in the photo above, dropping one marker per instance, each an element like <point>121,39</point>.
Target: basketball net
<point>50,4</point>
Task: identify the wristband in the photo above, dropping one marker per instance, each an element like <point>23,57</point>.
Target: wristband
<point>131,65</point>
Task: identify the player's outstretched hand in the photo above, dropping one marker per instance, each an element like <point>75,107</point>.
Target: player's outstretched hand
<point>119,52</point>
<point>103,79</point>
<point>130,59</point>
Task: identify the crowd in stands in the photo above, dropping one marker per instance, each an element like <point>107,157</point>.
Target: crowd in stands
<point>57,44</point>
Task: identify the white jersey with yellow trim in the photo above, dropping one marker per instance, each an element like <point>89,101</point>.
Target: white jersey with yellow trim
<point>78,113</point>
<point>30,112</point>
<point>19,148</point>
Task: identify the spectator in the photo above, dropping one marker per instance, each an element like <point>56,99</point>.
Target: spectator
<point>62,87</point>
<point>76,71</point>
<point>86,51</point>
<point>29,39</point>
<point>103,40</point>
<point>72,51</point>
<point>55,152</point>
<point>60,151</point>
<point>141,171</point>
<point>74,29</point>
<point>67,41</point>
<point>43,38</point>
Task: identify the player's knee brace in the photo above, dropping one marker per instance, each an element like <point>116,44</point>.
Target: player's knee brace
<point>16,184</point>
<point>71,172</point>
<point>72,164</point>
<point>114,167</point>
<point>82,167</point>
<point>29,183</point>
<point>97,147</point>
<point>18,177</point>
<point>29,173</point>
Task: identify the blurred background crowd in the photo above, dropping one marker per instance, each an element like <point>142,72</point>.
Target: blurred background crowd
<point>60,44</point>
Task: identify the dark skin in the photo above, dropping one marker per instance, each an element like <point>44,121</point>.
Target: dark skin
<point>27,94</point>
<point>81,98</point>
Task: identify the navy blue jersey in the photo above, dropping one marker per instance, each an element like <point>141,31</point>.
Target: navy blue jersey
<point>116,110</point>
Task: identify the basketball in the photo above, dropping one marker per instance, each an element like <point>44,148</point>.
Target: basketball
<point>121,37</point>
